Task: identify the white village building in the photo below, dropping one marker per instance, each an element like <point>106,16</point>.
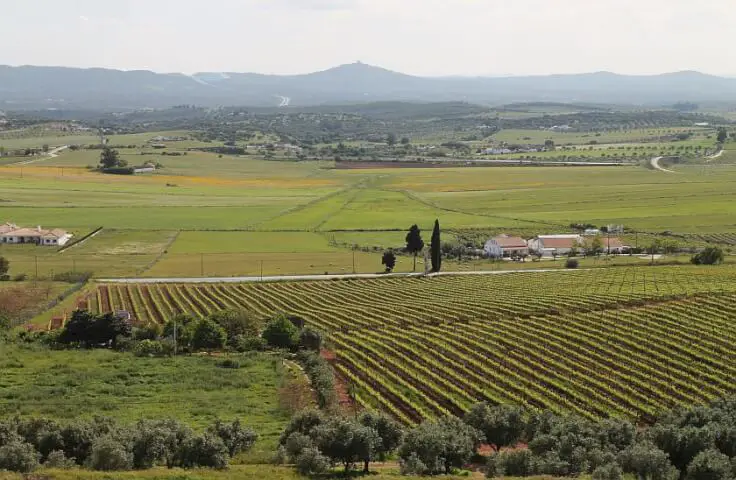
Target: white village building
<point>12,234</point>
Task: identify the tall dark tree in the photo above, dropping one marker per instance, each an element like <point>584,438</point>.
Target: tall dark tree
<point>414,243</point>
<point>110,158</point>
<point>436,248</point>
<point>722,135</point>
<point>389,260</point>
<point>391,139</point>
<point>4,266</point>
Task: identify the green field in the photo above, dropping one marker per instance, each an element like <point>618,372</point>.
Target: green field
<point>207,214</point>
<point>66,385</point>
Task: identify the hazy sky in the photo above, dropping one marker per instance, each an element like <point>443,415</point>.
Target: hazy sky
<point>423,37</point>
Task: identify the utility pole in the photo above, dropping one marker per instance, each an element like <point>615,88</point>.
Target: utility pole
<point>36,260</point>
<point>201,264</point>
<point>261,270</point>
<point>353,259</point>
<point>174,335</point>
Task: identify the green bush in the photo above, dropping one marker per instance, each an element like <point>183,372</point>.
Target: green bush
<point>710,465</point>
<point>57,459</point>
<point>229,363</point>
<point>280,332</point>
<point>609,471</point>
<point>312,462</point>
<point>148,348</point>
<point>109,454</point>
<point>18,457</point>
<point>709,256</point>
<point>243,343</point>
<point>208,335</point>
<point>572,263</point>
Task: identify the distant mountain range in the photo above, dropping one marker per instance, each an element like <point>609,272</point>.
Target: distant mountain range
<point>29,87</point>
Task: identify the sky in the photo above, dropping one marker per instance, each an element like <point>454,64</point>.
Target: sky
<point>419,37</point>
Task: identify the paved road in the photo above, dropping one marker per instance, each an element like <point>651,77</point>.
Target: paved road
<point>286,278</point>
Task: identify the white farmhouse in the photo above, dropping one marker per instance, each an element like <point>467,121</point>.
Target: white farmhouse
<point>12,234</point>
<point>552,245</point>
<point>505,246</point>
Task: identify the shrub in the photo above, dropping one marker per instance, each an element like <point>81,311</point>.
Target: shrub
<point>148,348</point>
<point>204,451</point>
<point>72,277</point>
<point>311,462</point>
<point>18,457</point>
<point>109,454</point>
<point>229,363</point>
<point>21,277</point>
<point>238,322</point>
<point>243,343</point>
<point>208,335</point>
<point>237,438</point>
<point>709,465</point>
<point>310,339</point>
<point>281,332</point>
<point>57,459</point>
<point>572,263</point>
<point>119,170</point>
<point>295,444</point>
<point>709,256</point>
<point>514,463</point>
<point>609,471</point>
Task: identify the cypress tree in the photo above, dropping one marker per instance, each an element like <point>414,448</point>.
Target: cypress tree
<point>436,248</point>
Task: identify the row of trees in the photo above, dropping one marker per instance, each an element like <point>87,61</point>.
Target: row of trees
<point>238,330</point>
<point>103,444</point>
<point>694,444</point>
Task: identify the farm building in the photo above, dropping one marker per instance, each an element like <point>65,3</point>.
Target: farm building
<point>12,234</point>
<point>614,245</point>
<point>552,245</point>
<point>505,246</point>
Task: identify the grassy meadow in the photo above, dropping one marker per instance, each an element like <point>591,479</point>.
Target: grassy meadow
<point>207,214</point>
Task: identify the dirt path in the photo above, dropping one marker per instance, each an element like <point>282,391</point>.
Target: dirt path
<point>50,154</point>
<point>286,278</point>
<point>655,165</point>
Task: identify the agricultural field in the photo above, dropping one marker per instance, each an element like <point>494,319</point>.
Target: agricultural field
<point>617,342</point>
<point>65,385</point>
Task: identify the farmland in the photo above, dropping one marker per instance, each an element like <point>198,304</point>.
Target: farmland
<point>599,343</point>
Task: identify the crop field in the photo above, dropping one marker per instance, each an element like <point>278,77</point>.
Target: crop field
<point>599,343</point>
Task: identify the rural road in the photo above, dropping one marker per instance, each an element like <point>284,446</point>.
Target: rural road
<point>715,155</point>
<point>50,154</point>
<point>657,166</point>
<point>321,277</point>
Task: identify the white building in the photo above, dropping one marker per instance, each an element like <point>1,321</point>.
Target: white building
<point>12,234</point>
<point>553,245</point>
<point>505,246</point>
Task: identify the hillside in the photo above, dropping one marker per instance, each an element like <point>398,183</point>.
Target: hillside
<point>31,87</point>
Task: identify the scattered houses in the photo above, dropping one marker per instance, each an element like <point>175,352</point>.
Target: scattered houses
<point>12,234</point>
<point>506,246</point>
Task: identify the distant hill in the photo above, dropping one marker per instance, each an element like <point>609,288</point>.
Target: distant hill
<point>30,87</point>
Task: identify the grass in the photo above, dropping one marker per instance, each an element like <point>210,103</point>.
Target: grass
<point>66,385</point>
<point>296,217</point>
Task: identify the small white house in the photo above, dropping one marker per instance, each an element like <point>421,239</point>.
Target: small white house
<point>553,245</point>
<point>505,246</point>
<point>12,234</point>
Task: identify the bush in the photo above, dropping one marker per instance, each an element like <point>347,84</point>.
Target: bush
<point>148,348</point>
<point>281,332</point>
<point>208,335</point>
<point>514,463</point>
<point>119,170</point>
<point>204,451</point>
<point>18,457</point>
<point>709,256</point>
<point>572,263</point>
<point>21,277</point>
<point>709,465</point>
<point>229,363</point>
<point>609,471</point>
<point>236,438</point>
<point>109,454</point>
<point>72,277</point>
<point>57,459</point>
<point>311,462</point>
<point>243,343</point>
<point>310,339</point>
<point>238,322</point>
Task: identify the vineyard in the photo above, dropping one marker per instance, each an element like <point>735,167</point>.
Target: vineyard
<point>616,342</point>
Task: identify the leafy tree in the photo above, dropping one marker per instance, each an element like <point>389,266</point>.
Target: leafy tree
<point>512,463</point>
<point>208,335</point>
<point>182,325</point>
<point>389,260</point>
<point>204,451</point>
<point>238,322</point>
<point>57,459</point>
<point>88,329</point>
<point>722,135</point>
<point>405,141</point>
<point>595,247</point>
<point>436,248</point>
<point>110,158</point>
<point>414,243</point>
<point>609,471</point>
<point>311,462</point>
<point>502,425</point>
<point>710,465</point>
<point>156,442</point>
<point>108,328</point>
<point>18,457</point>
<point>549,144</point>
<point>682,444</point>
<point>648,462</point>
<point>389,432</point>
<point>709,256</point>
<point>4,266</point>
<point>303,423</point>
<point>237,438</point>
<point>346,442</point>
<point>280,332</point>
<point>109,454</point>
<point>310,339</point>
<point>441,445</point>
<point>391,139</point>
